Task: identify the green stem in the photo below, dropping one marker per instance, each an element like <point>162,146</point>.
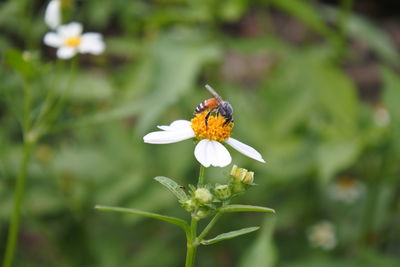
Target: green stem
<point>343,18</point>
<point>201,175</point>
<point>191,245</point>
<point>208,227</point>
<point>19,194</point>
<point>191,242</point>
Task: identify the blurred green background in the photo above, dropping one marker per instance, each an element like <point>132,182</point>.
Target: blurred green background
<point>315,89</point>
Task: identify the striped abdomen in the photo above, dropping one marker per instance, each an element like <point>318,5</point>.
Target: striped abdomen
<point>206,104</point>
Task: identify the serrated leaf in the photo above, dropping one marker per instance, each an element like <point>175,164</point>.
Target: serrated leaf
<point>179,222</point>
<point>172,186</point>
<point>229,235</point>
<point>242,208</point>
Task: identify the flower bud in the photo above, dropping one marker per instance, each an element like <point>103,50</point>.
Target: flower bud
<point>189,205</point>
<point>248,178</point>
<point>242,175</point>
<point>238,173</point>
<point>238,188</point>
<point>222,191</point>
<point>201,214</point>
<point>203,195</point>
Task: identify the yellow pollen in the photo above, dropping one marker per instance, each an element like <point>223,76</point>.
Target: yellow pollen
<point>215,129</point>
<point>72,41</point>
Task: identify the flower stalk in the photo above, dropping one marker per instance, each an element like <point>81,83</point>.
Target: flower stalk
<point>13,230</point>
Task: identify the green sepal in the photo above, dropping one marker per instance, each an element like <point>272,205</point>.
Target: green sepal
<point>179,222</point>
<point>242,208</point>
<point>172,186</point>
<point>229,235</point>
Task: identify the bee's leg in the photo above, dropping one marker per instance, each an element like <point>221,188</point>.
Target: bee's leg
<point>228,120</point>
<point>208,115</point>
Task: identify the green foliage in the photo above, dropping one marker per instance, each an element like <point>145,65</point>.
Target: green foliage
<point>172,186</point>
<point>169,219</point>
<point>229,235</point>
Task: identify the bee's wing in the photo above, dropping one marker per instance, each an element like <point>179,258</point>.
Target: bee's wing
<point>212,91</point>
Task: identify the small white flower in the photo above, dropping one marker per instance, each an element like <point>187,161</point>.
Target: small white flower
<point>203,195</point>
<point>209,151</point>
<point>69,40</point>
<point>322,235</point>
<point>52,15</point>
<point>381,116</point>
<point>346,189</point>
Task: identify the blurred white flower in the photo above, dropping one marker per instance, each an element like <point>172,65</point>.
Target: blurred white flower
<point>322,235</point>
<point>381,116</point>
<point>52,15</point>
<point>69,40</point>
<point>209,151</point>
<point>346,189</point>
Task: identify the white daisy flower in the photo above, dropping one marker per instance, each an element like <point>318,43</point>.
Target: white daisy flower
<point>69,40</point>
<point>322,235</point>
<point>346,189</point>
<point>209,151</point>
<point>52,15</point>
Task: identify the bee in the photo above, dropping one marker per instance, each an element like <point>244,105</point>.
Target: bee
<point>215,104</point>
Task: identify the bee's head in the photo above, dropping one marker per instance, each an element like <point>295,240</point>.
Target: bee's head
<point>225,109</point>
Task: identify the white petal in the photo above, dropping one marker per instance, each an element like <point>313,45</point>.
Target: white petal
<point>92,43</point>
<point>244,149</point>
<point>73,29</point>
<point>167,137</point>
<point>53,39</point>
<point>52,15</point>
<point>66,52</point>
<point>210,152</point>
<point>176,125</point>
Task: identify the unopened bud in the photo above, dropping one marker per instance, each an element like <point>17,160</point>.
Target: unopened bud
<point>248,178</point>
<point>203,195</point>
<point>201,214</point>
<point>189,205</point>
<point>242,175</point>
<point>238,173</point>
<point>222,191</point>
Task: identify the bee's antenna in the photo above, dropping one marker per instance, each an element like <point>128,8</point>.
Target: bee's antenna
<point>212,91</point>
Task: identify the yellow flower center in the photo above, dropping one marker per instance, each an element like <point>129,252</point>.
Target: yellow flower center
<point>215,129</point>
<point>72,41</point>
<point>346,183</point>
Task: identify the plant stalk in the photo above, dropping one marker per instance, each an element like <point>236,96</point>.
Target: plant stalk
<point>201,175</point>
<point>191,237</point>
<point>208,227</point>
<point>191,245</point>
<point>18,198</point>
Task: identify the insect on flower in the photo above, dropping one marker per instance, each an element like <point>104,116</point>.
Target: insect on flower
<point>215,104</point>
<point>210,130</point>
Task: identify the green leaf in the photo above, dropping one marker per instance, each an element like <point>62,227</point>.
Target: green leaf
<point>229,235</point>
<point>308,14</point>
<point>363,29</point>
<point>179,222</point>
<point>172,186</point>
<point>262,253</point>
<point>16,60</point>
<point>241,208</point>
<point>391,96</point>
